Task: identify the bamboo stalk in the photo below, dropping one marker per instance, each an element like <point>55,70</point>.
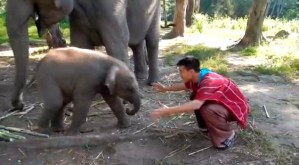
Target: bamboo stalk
<point>192,153</point>
<point>265,109</point>
<point>24,131</point>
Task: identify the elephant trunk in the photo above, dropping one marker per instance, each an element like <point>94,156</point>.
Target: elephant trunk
<point>136,106</point>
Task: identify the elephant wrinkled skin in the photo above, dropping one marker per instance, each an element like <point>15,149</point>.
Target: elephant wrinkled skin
<point>76,75</point>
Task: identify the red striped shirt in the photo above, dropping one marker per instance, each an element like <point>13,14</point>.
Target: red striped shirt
<point>217,88</point>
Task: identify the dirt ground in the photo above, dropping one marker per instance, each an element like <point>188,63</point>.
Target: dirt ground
<point>174,140</point>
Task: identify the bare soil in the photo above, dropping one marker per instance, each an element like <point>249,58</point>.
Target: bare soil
<point>174,140</point>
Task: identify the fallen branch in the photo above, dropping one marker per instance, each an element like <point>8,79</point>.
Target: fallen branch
<point>73,141</point>
<point>192,153</point>
<point>265,109</point>
<point>21,130</point>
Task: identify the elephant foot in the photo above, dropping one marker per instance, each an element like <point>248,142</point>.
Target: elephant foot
<point>141,75</point>
<point>58,129</point>
<point>85,129</point>
<point>17,105</point>
<point>124,124</point>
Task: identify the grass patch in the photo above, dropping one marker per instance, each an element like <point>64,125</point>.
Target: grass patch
<point>283,62</point>
<point>250,51</point>
<point>260,145</point>
<point>209,57</point>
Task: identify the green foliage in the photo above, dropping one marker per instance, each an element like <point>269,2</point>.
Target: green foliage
<point>240,8</point>
<point>2,6</point>
<point>232,8</point>
<point>249,51</point>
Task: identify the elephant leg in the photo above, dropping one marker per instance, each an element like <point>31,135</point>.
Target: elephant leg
<point>81,107</point>
<point>152,45</point>
<point>57,122</point>
<point>78,38</point>
<point>140,60</point>
<point>113,29</point>
<point>53,99</point>
<point>117,108</point>
<point>17,31</point>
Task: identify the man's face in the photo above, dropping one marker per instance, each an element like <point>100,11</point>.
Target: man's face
<point>186,74</point>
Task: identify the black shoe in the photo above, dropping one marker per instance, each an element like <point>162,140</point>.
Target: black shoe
<point>228,143</point>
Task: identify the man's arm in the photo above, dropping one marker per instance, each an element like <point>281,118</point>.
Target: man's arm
<point>176,87</point>
<point>187,107</point>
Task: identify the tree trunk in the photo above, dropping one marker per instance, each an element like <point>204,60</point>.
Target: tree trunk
<point>164,13</point>
<point>255,21</point>
<point>189,12</point>
<point>179,20</point>
<point>197,6</point>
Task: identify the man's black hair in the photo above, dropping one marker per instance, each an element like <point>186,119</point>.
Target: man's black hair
<point>190,62</point>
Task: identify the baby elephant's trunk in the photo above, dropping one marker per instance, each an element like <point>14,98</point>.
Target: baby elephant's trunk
<point>136,106</point>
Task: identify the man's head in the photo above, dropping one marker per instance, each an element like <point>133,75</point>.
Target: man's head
<point>188,67</point>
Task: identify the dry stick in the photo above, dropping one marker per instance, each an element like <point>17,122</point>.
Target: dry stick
<point>192,153</point>
<point>143,128</point>
<point>27,111</point>
<point>22,152</point>
<point>176,151</point>
<point>97,157</point>
<point>20,130</point>
<point>7,115</point>
<point>265,109</point>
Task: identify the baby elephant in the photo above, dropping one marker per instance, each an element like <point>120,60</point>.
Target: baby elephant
<point>76,75</point>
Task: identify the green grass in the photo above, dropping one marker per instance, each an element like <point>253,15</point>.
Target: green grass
<point>250,51</point>
<point>210,58</point>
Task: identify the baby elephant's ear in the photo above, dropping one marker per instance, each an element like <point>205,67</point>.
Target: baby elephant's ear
<point>110,78</point>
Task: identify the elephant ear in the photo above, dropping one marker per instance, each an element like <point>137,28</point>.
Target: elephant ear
<point>66,5</point>
<point>110,78</point>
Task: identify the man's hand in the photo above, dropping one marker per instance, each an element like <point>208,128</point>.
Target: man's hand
<point>158,113</point>
<point>159,87</point>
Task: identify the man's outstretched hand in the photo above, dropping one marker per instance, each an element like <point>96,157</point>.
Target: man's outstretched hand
<point>159,87</point>
<point>160,112</point>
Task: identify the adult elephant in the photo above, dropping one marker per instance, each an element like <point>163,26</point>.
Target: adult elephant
<point>117,24</point>
<point>19,12</point>
<point>114,24</point>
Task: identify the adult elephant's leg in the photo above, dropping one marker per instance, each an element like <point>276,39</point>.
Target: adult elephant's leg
<point>17,30</point>
<point>118,109</point>
<point>78,37</point>
<point>113,29</point>
<point>140,60</point>
<point>152,44</point>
